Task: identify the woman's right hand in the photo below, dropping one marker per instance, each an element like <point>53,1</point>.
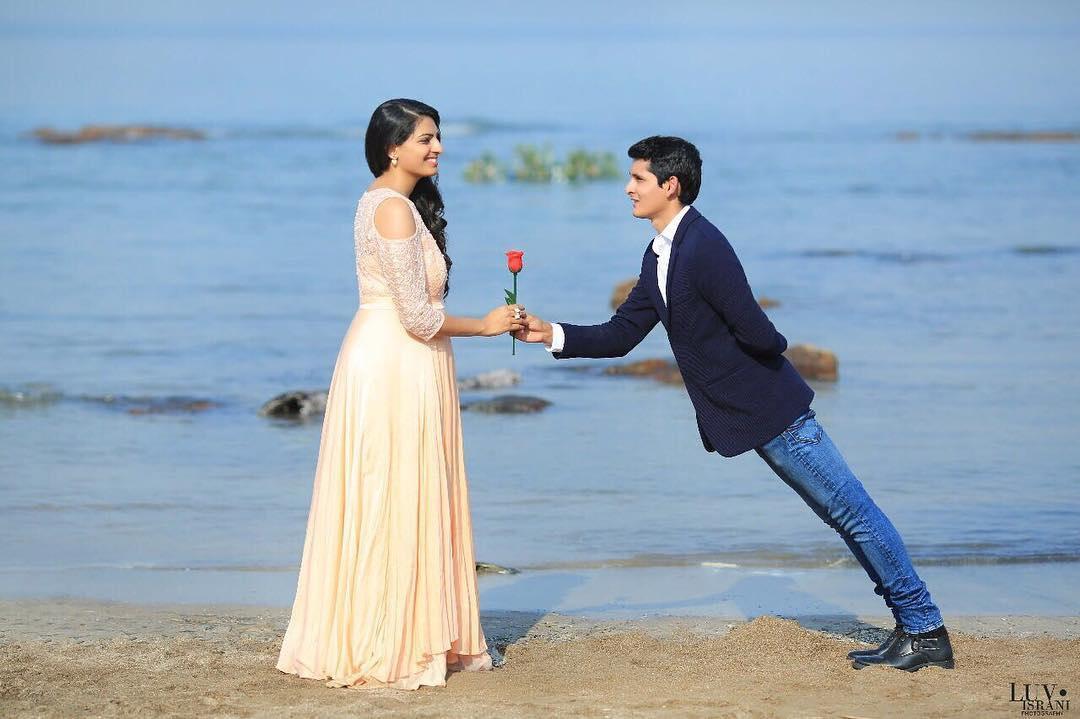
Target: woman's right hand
<point>501,320</point>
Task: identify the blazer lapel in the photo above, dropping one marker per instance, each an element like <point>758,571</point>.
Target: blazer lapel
<point>688,219</point>
<point>651,283</point>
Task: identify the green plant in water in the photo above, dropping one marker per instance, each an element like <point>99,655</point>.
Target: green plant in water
<point>583,166</point>
<point>485,168</point>
<point>534,164</point>
<point>538,165</point>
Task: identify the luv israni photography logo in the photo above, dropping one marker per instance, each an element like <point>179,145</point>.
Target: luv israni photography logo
<point>1040,700</point>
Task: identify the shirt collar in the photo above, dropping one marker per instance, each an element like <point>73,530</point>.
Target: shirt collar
<point>667,235</point>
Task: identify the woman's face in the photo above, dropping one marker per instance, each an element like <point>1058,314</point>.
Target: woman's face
<point>419,155</point>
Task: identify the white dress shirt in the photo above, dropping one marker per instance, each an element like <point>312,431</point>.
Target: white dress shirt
<point>661,245</point>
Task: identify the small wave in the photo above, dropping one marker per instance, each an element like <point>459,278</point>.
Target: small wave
<point>830,252</point>
<point>81,507</point>
<point>772,559</point>
<point>139,405</point>
<point>272,568</point>
<point>902,257</point>
<point>44,395</point>
<point>1031,558</point>
<point>295,132</point>
<point>137,566</point>
<point>139,352</point>
<point>647,561</point>
<point>486,126</point>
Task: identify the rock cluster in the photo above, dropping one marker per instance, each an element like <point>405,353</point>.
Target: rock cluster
<point>115,133</point>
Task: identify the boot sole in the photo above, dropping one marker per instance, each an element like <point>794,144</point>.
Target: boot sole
<point>945,664</point>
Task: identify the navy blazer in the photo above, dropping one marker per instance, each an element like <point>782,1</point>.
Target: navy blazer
<point>743,389</point>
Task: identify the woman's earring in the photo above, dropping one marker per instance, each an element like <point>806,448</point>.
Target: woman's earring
<point>393,161</point>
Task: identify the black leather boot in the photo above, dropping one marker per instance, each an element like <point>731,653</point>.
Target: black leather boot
<point>897,632</point>
<point>911,653</point>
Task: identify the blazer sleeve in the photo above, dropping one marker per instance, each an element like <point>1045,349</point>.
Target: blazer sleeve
<point>720,279</point>
<point>632,321</point>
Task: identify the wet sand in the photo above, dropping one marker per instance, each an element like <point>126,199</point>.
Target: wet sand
<point>60,658</point>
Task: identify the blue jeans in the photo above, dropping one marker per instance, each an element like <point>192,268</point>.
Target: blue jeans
<point>807,460</point>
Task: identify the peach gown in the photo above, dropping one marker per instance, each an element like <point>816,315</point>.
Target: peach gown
<point>387,592</point>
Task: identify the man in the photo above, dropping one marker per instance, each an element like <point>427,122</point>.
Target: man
<point>745,393</point>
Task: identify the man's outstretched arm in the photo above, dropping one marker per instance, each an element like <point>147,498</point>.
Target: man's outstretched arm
<point>634,319</point>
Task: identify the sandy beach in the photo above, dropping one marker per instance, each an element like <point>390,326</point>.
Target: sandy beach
<point>61,658</point>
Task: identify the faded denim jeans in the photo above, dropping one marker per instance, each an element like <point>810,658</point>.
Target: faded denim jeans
<point>807,460</point>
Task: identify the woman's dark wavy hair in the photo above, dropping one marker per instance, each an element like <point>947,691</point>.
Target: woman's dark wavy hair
<point>393,123</point>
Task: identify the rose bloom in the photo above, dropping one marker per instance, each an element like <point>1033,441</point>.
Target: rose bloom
<point>513,260</point>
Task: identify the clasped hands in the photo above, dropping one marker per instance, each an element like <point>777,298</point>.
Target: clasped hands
<point>536,330</point>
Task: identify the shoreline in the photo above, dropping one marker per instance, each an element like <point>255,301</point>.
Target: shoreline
<point>608,593</point>
<point>53,619</point>
<point>65,657</point>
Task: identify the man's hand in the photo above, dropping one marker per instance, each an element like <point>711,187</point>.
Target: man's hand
<point>537,330</point>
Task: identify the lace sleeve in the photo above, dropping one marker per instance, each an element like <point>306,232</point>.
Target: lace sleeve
<point>402,264</point>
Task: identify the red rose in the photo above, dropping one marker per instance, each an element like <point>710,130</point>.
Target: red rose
<point>513,260</point>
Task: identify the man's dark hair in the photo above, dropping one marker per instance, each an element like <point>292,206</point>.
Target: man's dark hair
<point>669,156</point>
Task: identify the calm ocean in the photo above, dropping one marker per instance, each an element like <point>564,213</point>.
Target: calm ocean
<point>943,272</point>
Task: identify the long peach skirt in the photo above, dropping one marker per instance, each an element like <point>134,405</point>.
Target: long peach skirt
<point>387,594</point>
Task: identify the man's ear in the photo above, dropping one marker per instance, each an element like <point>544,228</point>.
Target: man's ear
<point>671,187</point>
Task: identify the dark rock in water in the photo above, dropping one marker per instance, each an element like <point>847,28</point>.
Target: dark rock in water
<point>661,370</point>
<point>173,405</point>
<point>496,379</point>
<point>995,136</point>
<point>641,368</point>
<point>29,395</point>
<point>1039,136</point>
<point>153,405</point>
<point>766,303</point>
<point>508,404</point>
<point>915,136</point>
<point>811,362</point>
<point>296,405</point>
<point>669,375</point>
<point>1045,250</point>
<point>621,292</point>
<point>485,568</point>
<point>814,363</point>
<point>116,133</point>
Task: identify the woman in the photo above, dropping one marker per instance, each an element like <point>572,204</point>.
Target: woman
<point>387,589</point>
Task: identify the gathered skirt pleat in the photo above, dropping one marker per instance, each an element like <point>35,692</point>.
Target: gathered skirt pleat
<point>387,592</point>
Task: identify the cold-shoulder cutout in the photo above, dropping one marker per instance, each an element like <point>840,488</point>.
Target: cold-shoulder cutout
<point>394,219</point>
<point>397,229</point>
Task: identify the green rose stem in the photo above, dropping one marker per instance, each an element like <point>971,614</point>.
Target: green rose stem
<point>511,299</point>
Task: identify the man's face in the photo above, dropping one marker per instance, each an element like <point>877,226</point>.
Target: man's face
<point>646,195</point>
